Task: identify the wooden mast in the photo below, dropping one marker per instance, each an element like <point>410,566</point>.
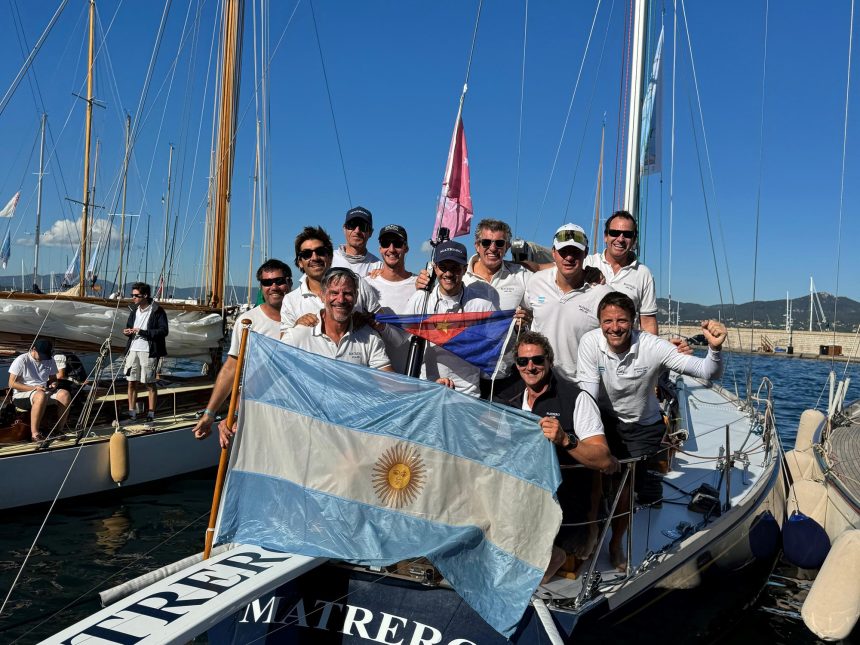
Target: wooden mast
<point>82,287</point>
<point>38,230</point>
<point>231,51</point>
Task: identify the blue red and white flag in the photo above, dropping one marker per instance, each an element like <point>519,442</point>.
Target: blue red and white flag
<point>477,337</point>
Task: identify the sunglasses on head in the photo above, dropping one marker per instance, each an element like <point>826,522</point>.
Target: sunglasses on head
<point>320,251</point>
<point>499,244</point>
<point>396,241</point>
<point>538,360</point>
<point>614,232</point>
<point>360,224</point>
<point>568,235</point>
<point>268,282</point>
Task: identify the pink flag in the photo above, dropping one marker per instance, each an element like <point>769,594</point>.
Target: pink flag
<point>455,203</point>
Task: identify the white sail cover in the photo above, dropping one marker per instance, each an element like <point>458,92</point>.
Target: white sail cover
<point>192,333</point>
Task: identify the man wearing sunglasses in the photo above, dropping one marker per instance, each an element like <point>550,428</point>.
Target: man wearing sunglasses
<point>570,419</point>
<point>357,229</point>
<point>623,271</point>
<point>313,256</point>
<point>394,286</point>
<point>146,330</point>
<point>276,281</point>
<point>564,305</point>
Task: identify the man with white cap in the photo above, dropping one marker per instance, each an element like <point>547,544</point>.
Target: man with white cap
<point>450,295</point>
<point>563,303</point>
<point>357,229</point>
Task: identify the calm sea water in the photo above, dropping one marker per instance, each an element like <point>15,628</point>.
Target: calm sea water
<point>92,544</point>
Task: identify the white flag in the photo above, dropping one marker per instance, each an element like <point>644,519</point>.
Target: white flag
<point>9,209</point>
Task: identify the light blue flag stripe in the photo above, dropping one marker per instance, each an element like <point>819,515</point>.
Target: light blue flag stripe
<point>360,398</point>
<point>498,594</point>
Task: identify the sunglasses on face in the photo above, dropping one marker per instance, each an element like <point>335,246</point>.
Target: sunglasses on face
<point>614,232</point>
<point>137,295</point>
<point>538,360</point>
<point>360,224</point>
<point>499,244</point>
<point>268,282</point>
<point>398,243</point>
<point>320,251</point>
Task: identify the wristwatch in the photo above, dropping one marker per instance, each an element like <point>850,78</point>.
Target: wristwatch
<point>573,441</point>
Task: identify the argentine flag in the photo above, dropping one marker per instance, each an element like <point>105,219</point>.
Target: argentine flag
<point>340,461</point>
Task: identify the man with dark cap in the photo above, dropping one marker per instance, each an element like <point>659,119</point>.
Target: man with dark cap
<point>450,295</point>
<point>33,377</point>
<point>357,229</point>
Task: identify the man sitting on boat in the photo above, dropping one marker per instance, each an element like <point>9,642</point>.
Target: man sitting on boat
<point>620,366</point>
<point>623,271</point>
<point>450,295</point>
<point>570,419</point>
<point>313,257</point>
<point>334,335</point>
<point>357,229</point>
<point>563,303</point>
<point>275,280</point>
<point>146,330</point>
<point>32,376</point>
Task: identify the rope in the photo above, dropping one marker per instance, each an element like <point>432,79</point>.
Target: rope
<point>842,173</point>
<point>567,117</point>
<point>520,130</point>
<point>331,104</point>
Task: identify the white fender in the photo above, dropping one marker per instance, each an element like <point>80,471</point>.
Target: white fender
<point>832,607</point>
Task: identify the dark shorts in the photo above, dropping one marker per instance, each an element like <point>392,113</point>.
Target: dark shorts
<point>628,440</point>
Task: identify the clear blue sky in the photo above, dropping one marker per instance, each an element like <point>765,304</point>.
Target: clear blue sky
<point>396,70</point>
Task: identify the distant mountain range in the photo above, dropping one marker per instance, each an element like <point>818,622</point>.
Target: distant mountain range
<point>769,314</point>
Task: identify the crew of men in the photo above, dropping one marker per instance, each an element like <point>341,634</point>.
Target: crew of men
<point>581,363</point>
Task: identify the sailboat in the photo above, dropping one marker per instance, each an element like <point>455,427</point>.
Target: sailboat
<point>709,547</point>
<point>81,461</point>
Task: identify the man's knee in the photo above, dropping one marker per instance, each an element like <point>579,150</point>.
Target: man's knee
<point>38,398</point>
<point>63,397</point>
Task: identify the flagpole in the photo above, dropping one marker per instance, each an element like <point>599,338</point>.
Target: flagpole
<point>225,452</point>
<point>501,357</point>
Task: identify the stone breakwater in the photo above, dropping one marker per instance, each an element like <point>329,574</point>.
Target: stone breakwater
<point>806,344</point>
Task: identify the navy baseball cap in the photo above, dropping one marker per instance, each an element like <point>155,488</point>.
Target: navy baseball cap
<point>450,250</point>
<point>44,348</point>
<point>393,229</point>
<point>359,212</point>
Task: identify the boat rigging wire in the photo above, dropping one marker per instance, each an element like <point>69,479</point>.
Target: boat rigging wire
<point>520,123</point>
<point>760,175</point>
<point>21,72</point>
<point>331,104</point>
<point>567,118</point>
<point>842,175</point>
<point>672,155</point>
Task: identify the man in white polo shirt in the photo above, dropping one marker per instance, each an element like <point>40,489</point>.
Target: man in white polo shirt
<point>32,377</point>
<point>623,271</point>
<point>450,295</point>
<point>394,286</point>
<point>313,257</point>
<point>620,366</point>
<point>488,266</point>
<point>357,229</point>
<point>275,280</point>
<point>564,305</point>
<point>334,336</point>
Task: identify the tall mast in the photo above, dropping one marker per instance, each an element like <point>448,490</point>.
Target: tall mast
<point>162,278</point>
<point>634,125</point>
<point>230,50</point>
<point>82,288</point>
<point>811,304</point>
<point>38,230</point>
<point>596,229</point>
<point>121,288</point>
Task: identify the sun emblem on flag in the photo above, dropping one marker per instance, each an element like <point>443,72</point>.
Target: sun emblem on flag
<point>398,476</point>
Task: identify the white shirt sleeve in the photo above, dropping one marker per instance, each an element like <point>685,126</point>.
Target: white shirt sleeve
<point>587,357</point>
<point>367,297</point>
<point>648,301</point>
<point>586,417</point>
<point>288,316</point>
<point>709,368</point>
<point>377,357</point>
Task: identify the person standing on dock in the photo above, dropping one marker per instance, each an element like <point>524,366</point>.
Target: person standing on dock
<point>276,280</point>
<point>357,229</point>
<point>622,269</point>
<point>146,330</point>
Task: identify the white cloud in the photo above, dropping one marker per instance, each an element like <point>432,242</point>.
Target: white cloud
<point>66,232</point>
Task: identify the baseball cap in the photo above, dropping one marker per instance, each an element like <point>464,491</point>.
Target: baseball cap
<point>393,229</point>
<point>570,235</point>
<point>359,212</point>
<point>44,348</point>
<point>450,250</point>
